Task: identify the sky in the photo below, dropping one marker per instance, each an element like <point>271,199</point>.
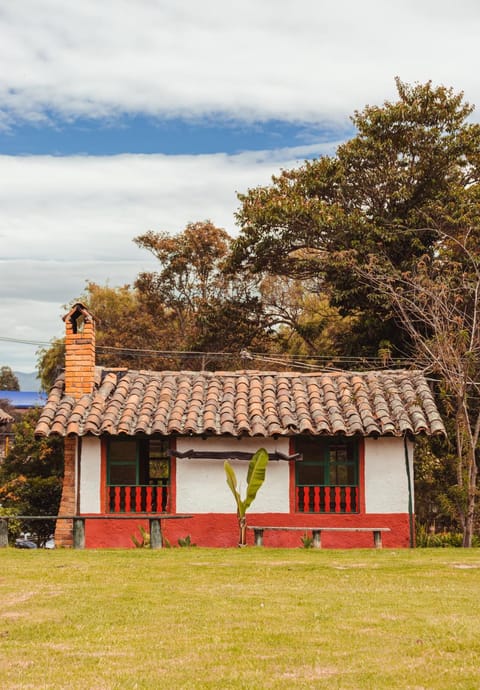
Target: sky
<point>123,116</point>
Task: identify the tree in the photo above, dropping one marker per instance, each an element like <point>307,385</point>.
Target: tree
<point>210,308</point>
<point>125,323</point>
<point>31,475</point>
<point>191,263</point>
<point>171,317</point>
<point>304,322</point>
<point>438,303</point>
<point>8,380</point>
<point>50,362</point>
<point>405,168</point>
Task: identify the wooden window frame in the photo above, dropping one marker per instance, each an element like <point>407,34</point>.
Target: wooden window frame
<point>354,503</point>
<point>143,481</point>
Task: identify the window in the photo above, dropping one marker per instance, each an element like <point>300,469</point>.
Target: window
<point>327,477</point>
<point>138,475</point>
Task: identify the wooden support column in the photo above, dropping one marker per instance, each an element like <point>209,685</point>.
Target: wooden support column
<point>317,538</point>
<point>377,539</point>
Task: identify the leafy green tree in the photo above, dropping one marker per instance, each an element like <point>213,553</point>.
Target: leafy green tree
<point>31,475</point>
<point>388,189</point>
<point>8,380</point>
<point>50,362</point>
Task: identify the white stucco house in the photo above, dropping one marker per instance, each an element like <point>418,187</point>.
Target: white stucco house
<point>143,443</point>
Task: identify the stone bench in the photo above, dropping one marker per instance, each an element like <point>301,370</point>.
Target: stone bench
<point>317,533</point>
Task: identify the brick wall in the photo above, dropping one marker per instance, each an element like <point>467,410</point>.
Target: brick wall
<point>64,529</point>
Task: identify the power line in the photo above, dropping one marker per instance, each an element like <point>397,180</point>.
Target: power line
<point>252,355</point>
<point>24,342</point>
<point>310,362</point>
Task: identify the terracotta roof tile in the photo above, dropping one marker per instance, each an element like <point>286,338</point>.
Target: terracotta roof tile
<point>251,403</point>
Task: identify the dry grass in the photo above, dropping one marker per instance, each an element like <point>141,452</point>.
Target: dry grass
<point>251,618</point>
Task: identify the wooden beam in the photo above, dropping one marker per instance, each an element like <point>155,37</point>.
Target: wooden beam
<point>229,455</point>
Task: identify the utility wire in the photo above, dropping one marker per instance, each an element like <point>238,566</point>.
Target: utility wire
<point>24,342</point>
<point>308,362</point>
<point>251,355</point>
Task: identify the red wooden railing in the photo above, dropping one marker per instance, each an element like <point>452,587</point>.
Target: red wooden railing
<point>327,499</point>
<point>137,499</point>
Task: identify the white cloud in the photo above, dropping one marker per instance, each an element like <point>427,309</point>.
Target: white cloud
<point>292,59</point>
<point>67,220</point>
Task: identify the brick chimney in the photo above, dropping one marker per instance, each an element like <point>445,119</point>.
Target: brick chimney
<point>79,351</point>
<point>79,380</point>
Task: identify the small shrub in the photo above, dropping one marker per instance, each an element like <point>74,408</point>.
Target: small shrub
<point>428,540</point>
<point>307,541</point>
<point>144,542</point>
<point>14,526</point>
<point>185,542</point>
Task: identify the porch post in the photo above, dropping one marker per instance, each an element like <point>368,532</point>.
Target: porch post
<point>411,524</point>
<point>156,541</point>
<point>79,533</point>
<point>317,538</point>
<point>3,533</point>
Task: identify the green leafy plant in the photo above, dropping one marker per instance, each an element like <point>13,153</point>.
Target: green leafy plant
<point>186,541</point>
<point>307,541</point>
<point>13,526</point>
<point>255,478</point>
<point>144,542</point>
<point>428,540</point>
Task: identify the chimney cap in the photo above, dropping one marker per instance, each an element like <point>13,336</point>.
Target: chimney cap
<point>76,311</point>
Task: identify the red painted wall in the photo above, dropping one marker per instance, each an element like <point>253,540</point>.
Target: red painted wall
<point>221,530</point>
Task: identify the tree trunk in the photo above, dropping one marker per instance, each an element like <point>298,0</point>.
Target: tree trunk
<point>471,499</point>
<point>242,522</point>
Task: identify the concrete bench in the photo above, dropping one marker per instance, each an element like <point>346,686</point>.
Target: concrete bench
<point>154,521</point>
<point>317,533</point>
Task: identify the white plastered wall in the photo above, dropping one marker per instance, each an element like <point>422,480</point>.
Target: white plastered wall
<point>386,484</point>
<point>90,475</point>
<point>202,486</point>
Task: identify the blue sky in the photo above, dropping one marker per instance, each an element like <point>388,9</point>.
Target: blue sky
<point>118,117</point>
<point>172,136</point>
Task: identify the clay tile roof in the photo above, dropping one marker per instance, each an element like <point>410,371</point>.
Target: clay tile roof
<point>251,403</point>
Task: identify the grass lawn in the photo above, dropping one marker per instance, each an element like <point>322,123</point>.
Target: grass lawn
<point>250,618</point>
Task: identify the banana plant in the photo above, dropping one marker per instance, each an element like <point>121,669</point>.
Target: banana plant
<point>255,478</point>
